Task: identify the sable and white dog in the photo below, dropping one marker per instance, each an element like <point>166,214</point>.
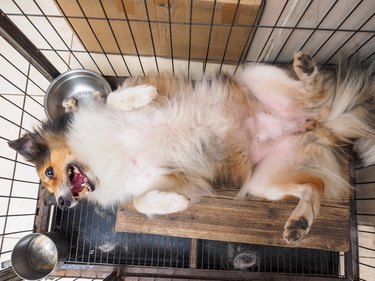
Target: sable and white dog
<point>162,142</point>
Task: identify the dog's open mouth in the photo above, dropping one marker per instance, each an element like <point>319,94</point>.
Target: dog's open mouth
<point>78,180</point>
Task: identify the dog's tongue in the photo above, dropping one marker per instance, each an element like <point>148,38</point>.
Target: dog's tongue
<point>78,183</point>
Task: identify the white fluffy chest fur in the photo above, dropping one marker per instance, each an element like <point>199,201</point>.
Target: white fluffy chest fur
<point>127,151</point>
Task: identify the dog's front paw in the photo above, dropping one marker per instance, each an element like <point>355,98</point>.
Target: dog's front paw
<point>157,202</point>
<point>294,230</point>
<point>132,97</point>
<point>70,105</point>
<point>304,66</point>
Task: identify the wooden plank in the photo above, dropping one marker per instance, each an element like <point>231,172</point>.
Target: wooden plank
<point>101,27</point>
<point>249,221</point>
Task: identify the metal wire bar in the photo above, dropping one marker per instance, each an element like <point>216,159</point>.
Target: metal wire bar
<point>24,93</point>
<point>17,215</point>
<point>170,34</point>
<point>365,214</point>
<point>209,37</point>
<point>272,30</point>
<point>190,26</point>
<point>295,27</point>
<point>10,32</point>
<point>350,37</point>
<point>361,46</point>
<point>91,233</point>
<point>24,111</point>
<point>317,26</point>
<point>14,232</point>
<point>24,75</point>
<point>152,37</point>
<point>14,169</point>
<point>13,123</point>
<point>363,182</point>
<point>201,23</point>
<point>96,240</point>
<point>18,197</point>
<point>77,33</point>
<point>96,38</point>
<point>366,248</point>
<point>215,60</point>
<point>366,59</point>
<point>17,162</point>
<point>249,40</point>
<point>84,234</point>
<point>232,61</point>
<point>133,39</point>
<point>58,34</point>
<point>367,265</point>
<point>338,28</point>
<point>45,39</point>
<point>18,180</point>
<point>114,36</point>
<point>362,167</point>
<point>366,231</point>
<point>79,233</point>
<point>230,33</point>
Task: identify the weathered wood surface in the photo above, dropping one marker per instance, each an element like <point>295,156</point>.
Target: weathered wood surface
<point>250,221</point>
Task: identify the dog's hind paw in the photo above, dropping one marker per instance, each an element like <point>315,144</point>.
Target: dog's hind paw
<point>294,230</point>
<point>304,66</point>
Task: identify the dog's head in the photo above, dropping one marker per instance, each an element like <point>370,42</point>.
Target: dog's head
<point>59,172</point>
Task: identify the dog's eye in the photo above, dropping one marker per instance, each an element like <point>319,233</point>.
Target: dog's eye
<point>49,172</point>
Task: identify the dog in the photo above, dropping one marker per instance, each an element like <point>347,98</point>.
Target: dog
<point>162,142</point>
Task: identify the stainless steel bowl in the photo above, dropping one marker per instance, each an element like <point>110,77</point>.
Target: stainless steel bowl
<point>35,256</point>
<point>78,83</point>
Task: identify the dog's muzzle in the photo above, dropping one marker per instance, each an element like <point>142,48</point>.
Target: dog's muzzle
<point>64,203</point>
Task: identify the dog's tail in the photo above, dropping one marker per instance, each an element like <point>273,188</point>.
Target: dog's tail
<point>352,114</point>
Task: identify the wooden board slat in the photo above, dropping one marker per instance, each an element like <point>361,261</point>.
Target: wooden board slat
<point>102,27</point>
<point>250,221</point>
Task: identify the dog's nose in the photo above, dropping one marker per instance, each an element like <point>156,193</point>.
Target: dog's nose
<point>63,203</point>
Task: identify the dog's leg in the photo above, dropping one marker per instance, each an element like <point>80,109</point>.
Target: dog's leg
<point>300,221</point>
<point>172,193</point>
<point>132,97</point>
<point>283,174</point>
<point>308,73</point>
<point>304,66</point>
<point>156,202</point>
<point>309,192</point>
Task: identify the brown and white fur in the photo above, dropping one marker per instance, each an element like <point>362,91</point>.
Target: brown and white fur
<point>162,142</point>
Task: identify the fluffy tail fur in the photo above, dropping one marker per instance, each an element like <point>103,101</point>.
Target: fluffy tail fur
<point>352,112</point>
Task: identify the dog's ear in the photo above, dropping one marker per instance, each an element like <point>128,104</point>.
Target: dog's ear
<point>30,147</point>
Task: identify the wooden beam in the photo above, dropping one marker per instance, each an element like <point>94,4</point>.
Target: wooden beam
<point>250,221</point>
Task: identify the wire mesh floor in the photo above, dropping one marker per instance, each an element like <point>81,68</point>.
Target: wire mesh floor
<point>90,230</point>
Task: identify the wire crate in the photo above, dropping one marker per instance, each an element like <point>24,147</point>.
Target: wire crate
<point>42,38</point>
